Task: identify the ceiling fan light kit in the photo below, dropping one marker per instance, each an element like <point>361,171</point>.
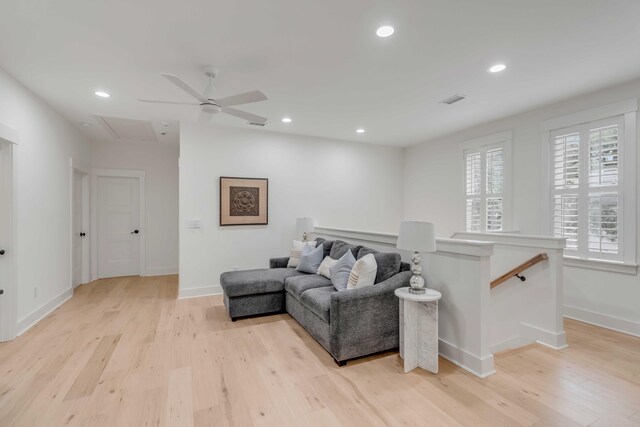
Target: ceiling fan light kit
<point>209,105</point>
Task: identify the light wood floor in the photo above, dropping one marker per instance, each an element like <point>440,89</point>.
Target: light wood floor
<point>125,352</point>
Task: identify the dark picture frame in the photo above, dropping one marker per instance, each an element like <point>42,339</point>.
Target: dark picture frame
<point>243,201</point>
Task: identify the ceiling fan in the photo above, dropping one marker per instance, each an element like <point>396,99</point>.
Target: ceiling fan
<point>209,105</point>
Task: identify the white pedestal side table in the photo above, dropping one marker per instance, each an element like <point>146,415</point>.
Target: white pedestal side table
<point>419,329</point>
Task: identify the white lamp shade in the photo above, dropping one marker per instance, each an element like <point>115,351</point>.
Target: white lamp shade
<point>416,236</point>
<point>304,225</point>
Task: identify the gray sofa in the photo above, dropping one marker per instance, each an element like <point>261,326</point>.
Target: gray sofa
<point>348,324</point>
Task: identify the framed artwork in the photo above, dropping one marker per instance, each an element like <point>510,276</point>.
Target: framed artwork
<point>244,201</point>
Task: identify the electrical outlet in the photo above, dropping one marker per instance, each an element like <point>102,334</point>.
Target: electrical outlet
<point>35,292</point>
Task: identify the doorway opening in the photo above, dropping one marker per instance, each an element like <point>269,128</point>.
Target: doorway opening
<point>80,220</point>
<point>8,291</point>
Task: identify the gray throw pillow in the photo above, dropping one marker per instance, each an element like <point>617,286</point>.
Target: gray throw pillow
<point>340,271</point>
<point>310,259</point>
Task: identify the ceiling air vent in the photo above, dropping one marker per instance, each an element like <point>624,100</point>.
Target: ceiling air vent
<point>257,124</point>
<point>453,99</point>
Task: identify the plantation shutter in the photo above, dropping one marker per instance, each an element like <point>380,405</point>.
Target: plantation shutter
<point>586,188</point>
<point>484,182</point>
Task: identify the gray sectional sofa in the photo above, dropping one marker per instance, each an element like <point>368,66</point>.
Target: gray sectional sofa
<point>348,324</point>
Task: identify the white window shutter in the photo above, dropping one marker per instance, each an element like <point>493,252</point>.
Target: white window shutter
<point>484,188</point>
<point>586,191</point>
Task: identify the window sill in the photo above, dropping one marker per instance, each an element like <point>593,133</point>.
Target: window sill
<point>597,264</point>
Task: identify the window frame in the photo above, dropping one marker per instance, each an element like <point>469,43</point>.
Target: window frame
<point>500,139</point>
<point>626,111</point>
<point>584,190</point>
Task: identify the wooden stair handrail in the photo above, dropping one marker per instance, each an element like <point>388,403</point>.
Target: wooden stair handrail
<point>519,269</point>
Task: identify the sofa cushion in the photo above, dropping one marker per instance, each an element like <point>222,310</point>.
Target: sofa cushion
<point>310,259</point>
<point>318,300</point>
<point>328,244</point>
<point>324,269</point>
<point>339,272</point>
<point>363,273</point>
<point>339,248</point>
<point>251,282</point>
<point>366,251</point>
<point>296,251</point>
<point>296,285</point>
<point>389,263</point>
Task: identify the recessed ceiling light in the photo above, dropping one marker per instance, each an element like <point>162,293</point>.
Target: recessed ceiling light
<point>286,120</point>
<point>497,68</point>
<point>85,125</point>
<point>385,31</point>
<point>360,130</point>
<point>102,94</point>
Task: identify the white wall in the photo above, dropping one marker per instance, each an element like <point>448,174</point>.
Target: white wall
<point>160,164</point>
<point>42,198</point>
<point>336,183</point>
<point>433,185</point>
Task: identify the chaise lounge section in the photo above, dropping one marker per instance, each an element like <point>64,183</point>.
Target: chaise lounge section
<point>348,324</point>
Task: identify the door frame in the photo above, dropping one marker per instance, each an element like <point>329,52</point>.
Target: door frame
<point>9,138</point>
<point>117,173</point>
<point>75,166</point>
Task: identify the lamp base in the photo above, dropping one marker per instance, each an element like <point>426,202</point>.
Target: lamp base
<point>417,290</point>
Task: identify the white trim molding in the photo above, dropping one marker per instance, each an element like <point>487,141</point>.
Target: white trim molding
<point>554,340</point>
<point>456,246</point>
<point>602,265</point>
<point>121,173</point>
<point>161,271</point>
<point>205,291</point>
<point>37,315</point>
<point>480,367</point>
<point>544,242</point>
<point>9,134</point>
<point>614,323</point>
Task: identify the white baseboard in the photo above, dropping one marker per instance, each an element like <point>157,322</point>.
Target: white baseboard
<point>480,367</point>
<point>161,271</point>
<point>28,321</point>
<point>510,344</point>
<point>199,292</point>
<point>554,340</point>
<point>603,320</point>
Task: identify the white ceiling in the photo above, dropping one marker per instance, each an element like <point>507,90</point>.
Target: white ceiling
<point>320,62</point>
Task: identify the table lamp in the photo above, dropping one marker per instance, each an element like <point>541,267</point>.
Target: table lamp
<point>418,237</point>
<point>305,227</point>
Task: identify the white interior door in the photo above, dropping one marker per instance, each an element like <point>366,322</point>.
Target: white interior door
<point>6,310</point>
<point>78,228</point>
<point>118,226</point>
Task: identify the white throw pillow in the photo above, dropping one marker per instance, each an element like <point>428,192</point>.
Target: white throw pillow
<point>363,272</point>
<point>325,267</point>
<point>296,251</point>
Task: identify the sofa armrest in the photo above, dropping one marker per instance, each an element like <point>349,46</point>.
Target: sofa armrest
<point>281,262</point>
<point>366,320</point>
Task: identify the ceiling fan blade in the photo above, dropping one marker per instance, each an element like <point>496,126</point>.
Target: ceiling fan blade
<point>167,102</point>
<point>253,118</point>
<point>185,86</point>
<point>242,98</point>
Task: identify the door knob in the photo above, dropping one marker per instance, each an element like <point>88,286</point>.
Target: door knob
<point>135,232</point>
<point>2,252</point>
<point>83,234</point>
